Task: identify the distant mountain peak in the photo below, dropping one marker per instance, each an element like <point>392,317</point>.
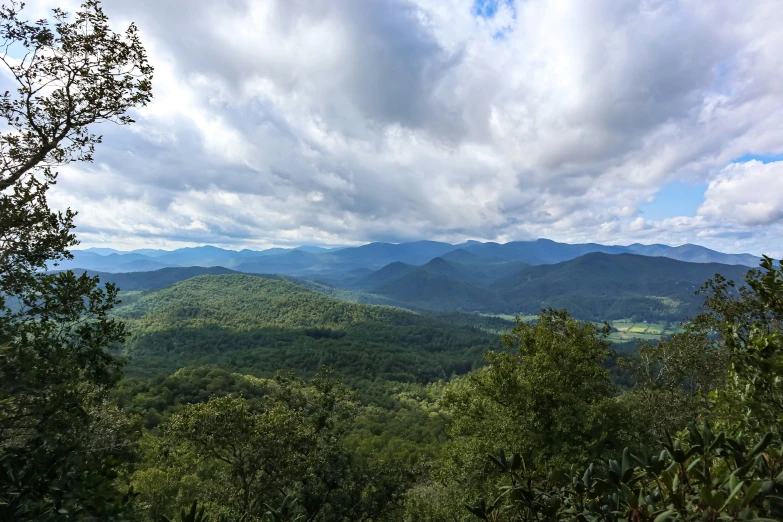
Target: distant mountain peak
<point>438,262</point>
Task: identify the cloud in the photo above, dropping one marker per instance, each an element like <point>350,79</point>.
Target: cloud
<point>749,193</point>
<point>291,121</point>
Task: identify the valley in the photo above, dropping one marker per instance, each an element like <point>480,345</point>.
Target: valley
<point>288,261</point>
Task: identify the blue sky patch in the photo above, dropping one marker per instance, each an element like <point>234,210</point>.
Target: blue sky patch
<point>488,8</point>
<point>677,198</point>
<point>764,158</point>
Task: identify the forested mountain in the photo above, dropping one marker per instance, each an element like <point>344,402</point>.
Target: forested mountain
<point>594,286</point>
<point>261,326</point>
<point>163,277</point>
<point>438,285</point>
<point>600,286</point>
<point>315,261</point>
<point>390,272</point>
<point>539,252</point>
<point>694,254</point>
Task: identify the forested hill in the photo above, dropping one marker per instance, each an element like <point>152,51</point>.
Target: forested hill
<point>243,301</point>
<point>260,326</point>
<point>163,277</point>
<point>595,286</point>
<point>154,279</point>
<point>601,286</point>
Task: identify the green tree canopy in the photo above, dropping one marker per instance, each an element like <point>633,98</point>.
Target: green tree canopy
<point>60,438</point>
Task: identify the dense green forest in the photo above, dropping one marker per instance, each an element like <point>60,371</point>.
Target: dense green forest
<point>227,397</point>
<point>260,326</point>
<point>385,450</point>
<point>163,277</point>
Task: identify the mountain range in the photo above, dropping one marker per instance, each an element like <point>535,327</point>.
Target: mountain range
<point>333,265</point>
<point>595,286</point>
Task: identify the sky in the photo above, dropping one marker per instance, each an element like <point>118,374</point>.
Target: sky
<point>340,122</point>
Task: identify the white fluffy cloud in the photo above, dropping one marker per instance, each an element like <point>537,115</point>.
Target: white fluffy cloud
<point>749,193</point>
<point>292,121</point>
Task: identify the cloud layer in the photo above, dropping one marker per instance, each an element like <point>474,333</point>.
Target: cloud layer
<point>292,121</point>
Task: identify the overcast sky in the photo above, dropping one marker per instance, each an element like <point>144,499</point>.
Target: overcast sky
<point>333,122</point>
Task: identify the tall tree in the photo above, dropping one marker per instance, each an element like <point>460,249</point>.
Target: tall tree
<point>60,439</point>
<point>72,74</point>
<point>751,334</point>
<point>699,474</point>
<point>548,394</point>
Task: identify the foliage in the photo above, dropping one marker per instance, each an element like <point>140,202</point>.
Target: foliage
<point>548,393</point>
<point>700,476</point>
<point>157,399</point>
<point>407,428</point>
<point>486,323</point>
<point>258,326</point>
<point>62,442</point>
<point>72,74</point>
<point>673,381</point>
<point>289,445</point>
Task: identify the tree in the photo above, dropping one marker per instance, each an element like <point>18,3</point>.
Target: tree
<point>673,380</point>
<point>751,334</point>
<point>60,438</point>
<point>73,74</point>
<point>699,474</point>
<point>290,445</point>
<point>260,450</point>
<point>548,394</point>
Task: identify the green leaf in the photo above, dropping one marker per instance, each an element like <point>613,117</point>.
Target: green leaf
<point>663,517</point>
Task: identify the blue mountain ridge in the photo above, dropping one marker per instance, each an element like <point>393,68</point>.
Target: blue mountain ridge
<point>312,261</point>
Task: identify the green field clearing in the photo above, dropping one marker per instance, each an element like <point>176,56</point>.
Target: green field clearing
<point>528,318</point>
<point>510,317</point>
<point>627,329</point>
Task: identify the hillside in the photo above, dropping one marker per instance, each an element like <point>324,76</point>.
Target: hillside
<point>595,286</point>
<point>439,289</point>
<point>390,272</point>
<point>154,279</point>
<point>600,286</point>
<point>260,326</point>
<point>161,278</point>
